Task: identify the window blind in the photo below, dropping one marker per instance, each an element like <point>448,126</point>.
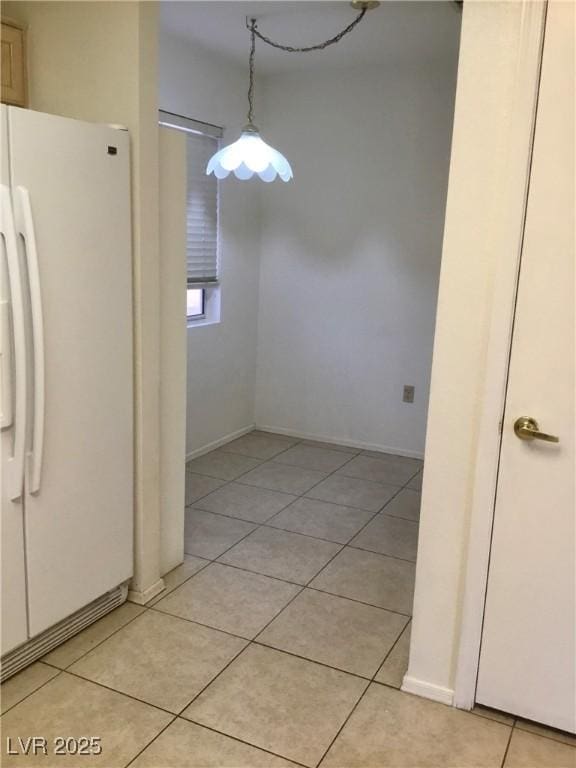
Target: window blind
<point>201,211</point>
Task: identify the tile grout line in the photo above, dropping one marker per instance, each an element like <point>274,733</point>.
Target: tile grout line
<point>293,443</point>
<point>347,543</point>
<point>244,455</point>
<point>117,692</point>
<point>237,738</point>
<point>296,497</point>
<point>361,602</point>
<point>60,671</point>
<point>309,535</point>
<point>383,554</point>
<point>505,755</point>
<point>385,659</point>
<point>378,512</point>
<point>93,648</point>
<point>161,595</point>
<point>256,573</point>
<point>339,731</point>
<point>380,482</point>
<point>266,522</point>
<point>345,464</point>
<point>255,642</point>
<point>519,727</point>
<point>224,481</point>
<point>262,644</point>
<point>227,548</point>
<point>237,479</point>
<point>201,624</point>
<point>329,474</point>
<point>303,494</point>
<point>244,485</point>
<point>65,669</point>
<point>397,517</point>
<point>208,684</point>
<point>160,732</point>
<point>296,584</point>
<point>245,519</point>
<point>474,711</point>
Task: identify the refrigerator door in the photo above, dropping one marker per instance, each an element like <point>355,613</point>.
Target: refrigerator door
<point>12,417</point>
<point>71,194</point>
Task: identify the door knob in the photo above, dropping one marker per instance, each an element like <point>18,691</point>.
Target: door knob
<point>527,429</point>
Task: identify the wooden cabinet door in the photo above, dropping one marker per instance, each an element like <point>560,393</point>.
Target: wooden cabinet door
<point>13,64</point>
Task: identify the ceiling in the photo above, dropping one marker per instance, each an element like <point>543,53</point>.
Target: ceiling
<point>402,31</point>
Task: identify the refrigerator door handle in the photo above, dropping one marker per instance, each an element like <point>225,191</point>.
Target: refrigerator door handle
<point>15,464</point>
<point>25,223</point>
<point>6,364</point>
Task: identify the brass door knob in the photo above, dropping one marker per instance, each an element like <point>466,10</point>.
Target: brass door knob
<point>527,428</point>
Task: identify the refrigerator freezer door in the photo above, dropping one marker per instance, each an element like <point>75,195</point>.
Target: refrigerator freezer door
<point>79,499</point>
<point>12,396</point>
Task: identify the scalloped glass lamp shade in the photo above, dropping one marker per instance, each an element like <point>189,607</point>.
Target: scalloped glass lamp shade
<point>248,156</point>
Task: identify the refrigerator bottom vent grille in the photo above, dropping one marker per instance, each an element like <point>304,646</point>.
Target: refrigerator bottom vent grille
<point>38,646</point>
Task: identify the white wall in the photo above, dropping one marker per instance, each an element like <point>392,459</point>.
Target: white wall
<point>351,251</point>
<point>172,161</point>
<point>221,357</point>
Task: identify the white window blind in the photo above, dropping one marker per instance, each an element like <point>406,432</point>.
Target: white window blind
<point>201,211</point>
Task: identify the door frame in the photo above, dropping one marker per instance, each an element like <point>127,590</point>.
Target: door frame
<point>508,229</point>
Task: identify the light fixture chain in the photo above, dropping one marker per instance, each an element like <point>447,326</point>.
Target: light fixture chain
<point>253,27</point>
<point>251,65</point>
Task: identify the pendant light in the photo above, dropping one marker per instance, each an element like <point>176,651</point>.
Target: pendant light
<point>251,155</point>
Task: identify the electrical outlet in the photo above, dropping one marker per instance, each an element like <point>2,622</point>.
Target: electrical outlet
<point>408,393</point>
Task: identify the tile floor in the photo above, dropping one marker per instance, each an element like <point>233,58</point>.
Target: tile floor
<point>281,640</point>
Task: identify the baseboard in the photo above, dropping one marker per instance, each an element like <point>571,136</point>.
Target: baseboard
<point>142,597</point>
<point>220,442</point>
<point>428,690</point>
<point>343,441</point>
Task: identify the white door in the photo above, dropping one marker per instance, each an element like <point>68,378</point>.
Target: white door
<point>70,185</point>
<point>528,655</point>
<point>12,418</point>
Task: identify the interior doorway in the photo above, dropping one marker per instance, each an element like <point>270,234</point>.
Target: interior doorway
<point>307,397</point>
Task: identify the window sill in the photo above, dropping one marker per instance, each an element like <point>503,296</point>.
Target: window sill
<point>202,323</point>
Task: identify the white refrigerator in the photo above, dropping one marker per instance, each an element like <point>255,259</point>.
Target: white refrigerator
<point>66,378</point>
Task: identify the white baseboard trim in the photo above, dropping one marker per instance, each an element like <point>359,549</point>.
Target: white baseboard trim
<point>350,443</point>
<point>142,597</point>
<point>428,690</point>
<point>219,443</point>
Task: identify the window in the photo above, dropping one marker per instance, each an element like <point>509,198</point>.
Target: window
<point>202,223</point>
<point>195,303</point>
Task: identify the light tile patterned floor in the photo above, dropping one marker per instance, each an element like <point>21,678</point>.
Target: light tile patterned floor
<point>280,641</point>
